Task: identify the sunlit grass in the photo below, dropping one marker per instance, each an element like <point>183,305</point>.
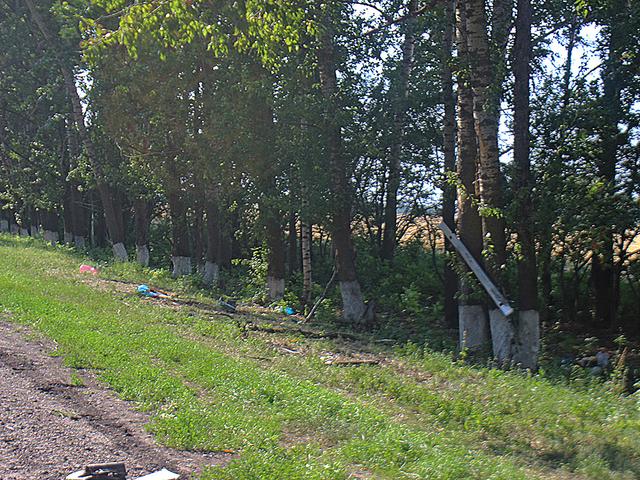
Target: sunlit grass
<point>209,386</point>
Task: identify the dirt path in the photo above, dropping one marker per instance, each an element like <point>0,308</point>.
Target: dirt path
<point>49,426</point>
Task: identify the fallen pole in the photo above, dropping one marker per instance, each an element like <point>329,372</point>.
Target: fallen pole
<point>496,295</point>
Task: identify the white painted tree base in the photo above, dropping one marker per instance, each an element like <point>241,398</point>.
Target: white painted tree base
<point>120,252</point>
<point>4,226</point>
<point>15,229</point>
<point>67,237</point>
<point>51,237</point>
<point>474,327</point>
<point>35,231</point>
<point>503,336</point>
<point>275,288</point>
<point>24,232</point>
<point>142,255</point>
<point>528,345</point>
<point>210,274</point>
<point>181,266</point>
<point>353,306</point>
<point>79,241</point>
<point>516,340</point>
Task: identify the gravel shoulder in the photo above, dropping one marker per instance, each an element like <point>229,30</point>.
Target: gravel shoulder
<point>52,424</point>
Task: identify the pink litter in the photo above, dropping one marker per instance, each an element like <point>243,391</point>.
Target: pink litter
<point>88,269</point>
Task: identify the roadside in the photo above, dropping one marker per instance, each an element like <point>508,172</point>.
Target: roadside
<point>54,420</point>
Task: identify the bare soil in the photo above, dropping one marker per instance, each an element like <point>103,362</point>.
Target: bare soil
<point>51,424</point>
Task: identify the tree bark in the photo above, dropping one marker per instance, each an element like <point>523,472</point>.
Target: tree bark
<point>486,118</point>
<point>114,227</point>
<point>354,308</point>
<point>400,109</point>
<point>526,343</point>
<point>142,209</point>
<point>211,273</point>
<point>473,322</point>
<point>293,243</point>
<point>604,275</point>
<point>180,251</point>
<point>448,190</point>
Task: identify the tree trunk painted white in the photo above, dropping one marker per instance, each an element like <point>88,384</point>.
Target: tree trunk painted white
<point>4,226</point>
<point>142,255</point>
<point>51,237</point>
<point>503,336</point>
<point>79,241</point>
<point>474,328</point>
<point>120,252</point>
<point>210,274</point>
<point>35,231</point>
<point>275,287</point>
<point>14,228</point>
<point>353,308</point>
<point>527,346</point>
<point>68,238</point>
<point>181,266</point>
<point>24,232</point>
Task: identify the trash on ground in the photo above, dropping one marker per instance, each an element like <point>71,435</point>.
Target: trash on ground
<point>289,310</point>
<point>88,269</point>
<point>163,474</point>
<point>229,306</point>
<point>146,291</point>
<point>101,471</point>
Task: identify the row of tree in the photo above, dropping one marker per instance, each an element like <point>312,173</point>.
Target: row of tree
<point>240,123</point>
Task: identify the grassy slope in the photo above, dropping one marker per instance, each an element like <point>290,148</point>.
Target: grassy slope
<point>211,386</point>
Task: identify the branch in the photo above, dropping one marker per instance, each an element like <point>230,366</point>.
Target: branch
<point>403,18</point>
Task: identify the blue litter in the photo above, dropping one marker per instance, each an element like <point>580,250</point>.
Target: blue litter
<point>145,291</point>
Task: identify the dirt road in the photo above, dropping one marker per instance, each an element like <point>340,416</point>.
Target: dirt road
<point>52,424</point>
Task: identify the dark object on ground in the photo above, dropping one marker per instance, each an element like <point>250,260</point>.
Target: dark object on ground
<point>229,306</point>
<point>103,471</point>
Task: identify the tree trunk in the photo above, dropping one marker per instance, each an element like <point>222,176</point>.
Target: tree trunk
<point>472,318</point>
<point>400,108</point>
<point>604,275</point>
<point>354,308</point>
<point>211,273</point>
<point>305,237</point>
<point>448,190</point>
<point>142,209</point>
<point>180,251</point>
<point>293,243</point>
<point>486,118</point>
<point>116,233</point>
<point>526,343</point>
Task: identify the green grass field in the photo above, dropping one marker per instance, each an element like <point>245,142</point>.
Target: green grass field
<point>211,385</point>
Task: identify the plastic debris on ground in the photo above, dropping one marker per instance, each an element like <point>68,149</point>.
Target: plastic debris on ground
<point>88,269</point>
<point>229,306</point>
<point>117,471</point>
<point>288,310</point>
<point>149,292</point>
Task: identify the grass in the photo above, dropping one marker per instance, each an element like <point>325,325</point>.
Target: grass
<point>210,385</point>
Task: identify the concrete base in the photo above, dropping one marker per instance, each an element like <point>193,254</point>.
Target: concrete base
<point>474,328</point>
<point>35,231</point>
<point>503,335</point>
<point>353,306</point>
<point>181,266</point>
<point>80,242</point>
<point>120,252</point>
<point>142,255</point>
<point>527,347</point>
<point>14,228</point>
<point>24,232</point>
<point>51,237</point>
<point>275,288</point>
<point>211,274</point>
<point>4,226</point>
